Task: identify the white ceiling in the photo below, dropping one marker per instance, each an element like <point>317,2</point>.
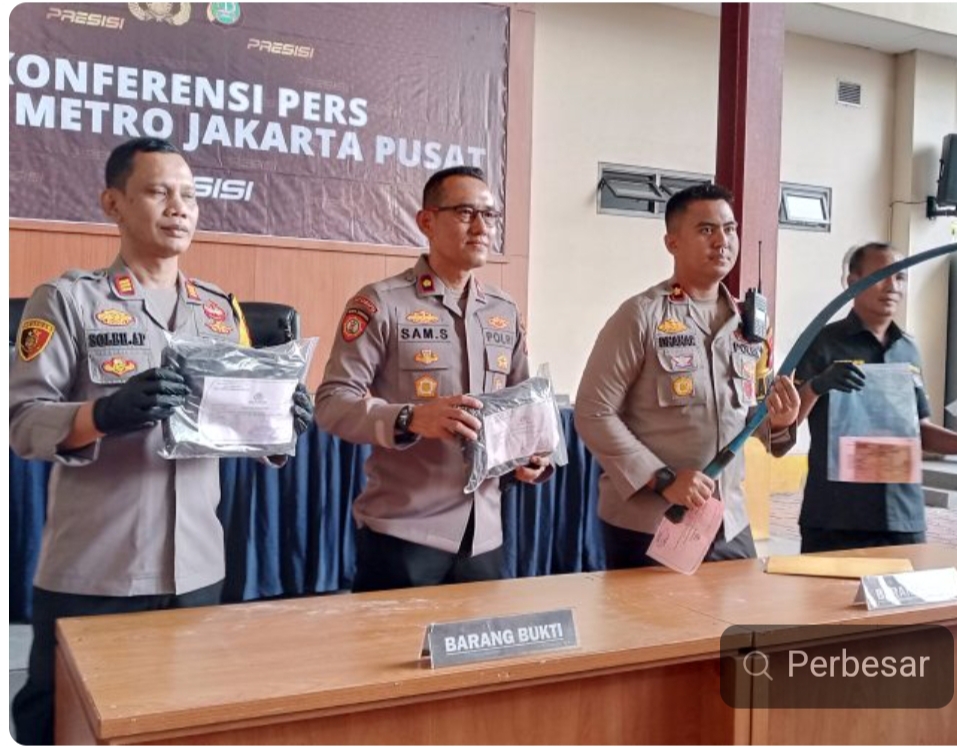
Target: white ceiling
<point>849,27</point>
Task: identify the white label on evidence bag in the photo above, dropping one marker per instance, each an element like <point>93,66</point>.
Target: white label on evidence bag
<point>236,412</point>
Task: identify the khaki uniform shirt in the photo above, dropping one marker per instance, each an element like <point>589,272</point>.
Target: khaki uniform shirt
<point>121,520</point>
<point>404,341</point>
<point>653,394</point>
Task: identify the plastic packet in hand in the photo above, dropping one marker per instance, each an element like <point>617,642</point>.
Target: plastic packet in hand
<point>240,400</point>
<point>518,422</point>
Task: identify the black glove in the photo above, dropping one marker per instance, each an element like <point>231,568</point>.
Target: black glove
<point>141,401</point>
<point>842,376</point>
<point>302,410</point>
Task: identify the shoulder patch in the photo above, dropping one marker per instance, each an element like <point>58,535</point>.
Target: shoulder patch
<point>365,303</point>
<point>34,336</point>
<point>354,323</point>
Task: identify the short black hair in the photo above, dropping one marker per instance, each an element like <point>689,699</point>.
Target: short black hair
<point>679,201</point>
<point>120,163</point>
<point>855,260</point>
<point>432,193</point>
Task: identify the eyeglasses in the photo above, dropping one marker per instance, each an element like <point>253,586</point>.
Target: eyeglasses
<point>466,214</point>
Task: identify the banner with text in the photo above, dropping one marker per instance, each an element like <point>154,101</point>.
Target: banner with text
<point>318,121</point>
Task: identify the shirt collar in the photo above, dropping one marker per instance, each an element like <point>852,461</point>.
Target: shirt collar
<point>854,326</point>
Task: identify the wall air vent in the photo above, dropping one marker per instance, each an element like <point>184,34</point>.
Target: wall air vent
<point>848,93</point>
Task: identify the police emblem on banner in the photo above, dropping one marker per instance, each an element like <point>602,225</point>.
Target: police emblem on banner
<point>175,14</point>
<point>35,334</point>
<point>223,14</point>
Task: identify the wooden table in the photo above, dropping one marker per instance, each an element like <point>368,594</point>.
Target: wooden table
<point>345,669</point>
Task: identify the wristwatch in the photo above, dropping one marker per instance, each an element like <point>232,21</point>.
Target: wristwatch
<point>664,477</point>
<point>403,421</point>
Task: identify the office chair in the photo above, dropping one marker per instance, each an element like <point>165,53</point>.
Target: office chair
<point>270,323</point>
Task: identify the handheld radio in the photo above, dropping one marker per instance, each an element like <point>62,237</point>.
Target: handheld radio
<point>755,311</point>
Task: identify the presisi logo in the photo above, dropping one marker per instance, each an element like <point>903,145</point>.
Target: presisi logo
<point>83,18</point>
<point>218,188</point>
<point>286,50</point>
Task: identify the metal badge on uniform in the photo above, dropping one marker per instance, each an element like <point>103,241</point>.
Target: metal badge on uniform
<point>220,328</point>
<point>426,283</point>
<point>672,327</point>
<point>498,322</point>
<point>426,356</point>
<point>677,294</point>
<point>214,311</point>
<point>682,386</point>
<point>34,336</point>
<point>354,323</point>
<point>749,396</point>
<point>421,316</point>
<point>191,293</point>
<point>114,318</point>
<point>426,387</point>
<point>365,303</point>
<point>502,362</point>
<point>681,361</point>
<point>119,366</point>
<point>123,285</point>
<point>498,382</point>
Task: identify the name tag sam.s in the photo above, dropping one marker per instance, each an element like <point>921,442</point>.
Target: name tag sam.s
<point>464,641</point>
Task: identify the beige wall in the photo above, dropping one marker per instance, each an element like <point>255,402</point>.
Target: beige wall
<point>927,16</point>
<point>630,84</point>
<point>926,111</point>
<point>637,84</point>
<point>845,148</point>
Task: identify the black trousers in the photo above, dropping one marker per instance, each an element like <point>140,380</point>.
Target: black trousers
<point>822,540</point>
<point>33,705</point>
<point>627,549</point>
<point>385,562</point>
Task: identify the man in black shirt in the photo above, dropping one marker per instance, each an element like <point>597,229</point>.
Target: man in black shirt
<point>845,515</point>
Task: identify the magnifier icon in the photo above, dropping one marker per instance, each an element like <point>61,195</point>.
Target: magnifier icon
<point>756,664</point>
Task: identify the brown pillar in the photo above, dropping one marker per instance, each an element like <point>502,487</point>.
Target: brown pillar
<point>749,134</point>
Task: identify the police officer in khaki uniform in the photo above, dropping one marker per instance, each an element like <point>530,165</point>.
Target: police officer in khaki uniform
<point>670,381</point>
<point>408,348</point>
<point>126,530</point>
